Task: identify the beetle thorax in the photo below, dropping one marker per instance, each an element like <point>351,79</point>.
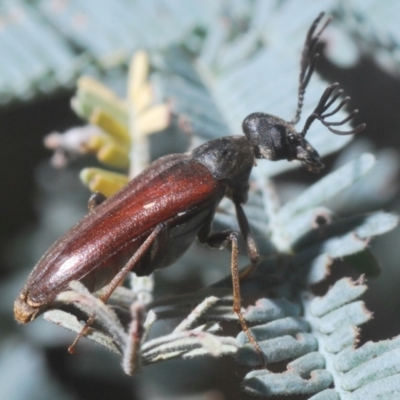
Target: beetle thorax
<point>230,160</point>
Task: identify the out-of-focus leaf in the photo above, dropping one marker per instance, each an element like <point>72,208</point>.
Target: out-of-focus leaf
<point>327,187</point>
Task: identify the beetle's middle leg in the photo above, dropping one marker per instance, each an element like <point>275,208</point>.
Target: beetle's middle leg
<point>223,239</point>
<point>237,299</point>
<point>109,289</point>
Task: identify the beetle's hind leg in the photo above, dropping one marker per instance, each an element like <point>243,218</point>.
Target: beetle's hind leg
<point>109,289</point>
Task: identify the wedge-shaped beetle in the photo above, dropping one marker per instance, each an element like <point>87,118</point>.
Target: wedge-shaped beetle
<point>153,220</point>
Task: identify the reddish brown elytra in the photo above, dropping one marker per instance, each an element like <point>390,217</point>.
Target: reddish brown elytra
<point>153,220</point>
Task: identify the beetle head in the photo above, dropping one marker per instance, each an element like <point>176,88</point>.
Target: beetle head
<point>275,139</point>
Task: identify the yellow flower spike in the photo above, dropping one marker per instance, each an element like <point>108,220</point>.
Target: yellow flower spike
<point>111,125</point>
<point>143,97</point>
<point>139,72</point>
<point>114,155</point>
<point>154,119</point>
<point>92,94</point>
<point>108,151</point>
<point>94,144</point>
<point>105,182</point>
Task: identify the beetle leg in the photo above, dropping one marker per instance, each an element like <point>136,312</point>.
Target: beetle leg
<point>152,259</point>
<point>217,240</point>
<point>109,289</point>
<point>237,299</point>
<point>95,199</point>
<point>251,245</point>
<point>222,239</point>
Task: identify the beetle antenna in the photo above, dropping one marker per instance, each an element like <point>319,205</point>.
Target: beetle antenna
<point>308,62</point>
<point>330,95</point>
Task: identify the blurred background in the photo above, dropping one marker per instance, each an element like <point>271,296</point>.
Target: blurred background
<point>46,45</point>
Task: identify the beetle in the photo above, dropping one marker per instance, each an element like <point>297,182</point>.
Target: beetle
<point>154,219</point>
